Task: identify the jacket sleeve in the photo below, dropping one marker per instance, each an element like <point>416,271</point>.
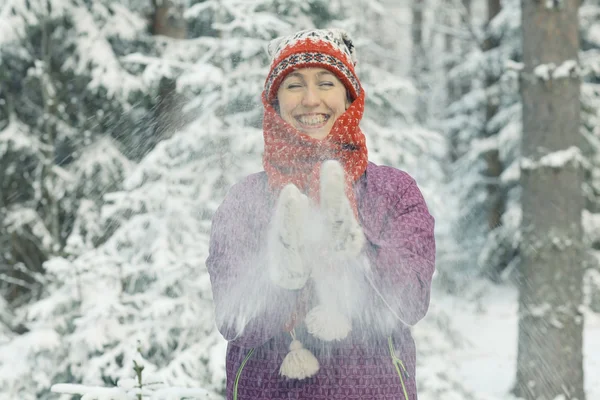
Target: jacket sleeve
<point>249,309</point>
<point>402,256</point>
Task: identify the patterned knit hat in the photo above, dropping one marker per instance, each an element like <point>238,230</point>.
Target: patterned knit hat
<point>331,49</point>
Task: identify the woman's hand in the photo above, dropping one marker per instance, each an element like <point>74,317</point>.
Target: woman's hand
<point>286,240</point>
<point>343,232</point>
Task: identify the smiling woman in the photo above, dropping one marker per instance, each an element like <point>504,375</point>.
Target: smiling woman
<point>311,100</point>
<point>320,263</point>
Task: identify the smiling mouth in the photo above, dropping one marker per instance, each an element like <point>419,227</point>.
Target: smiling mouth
<point>314,121</point>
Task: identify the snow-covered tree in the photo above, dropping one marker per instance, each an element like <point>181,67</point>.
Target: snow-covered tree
<point>395,134</point>
<point>76,83</point>
<point>590,59</point>
<point>131,280</point>
<point>62,89</point>
<point>133,273</point>
<point>483,127</point>
<point>484,130</point>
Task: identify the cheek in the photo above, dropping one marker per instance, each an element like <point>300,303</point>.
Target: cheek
<point>286,109</point>
<point>338,102</point>
<point>286,106</point>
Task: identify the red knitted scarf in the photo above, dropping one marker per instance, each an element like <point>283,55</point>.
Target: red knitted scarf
<point>293,157</point>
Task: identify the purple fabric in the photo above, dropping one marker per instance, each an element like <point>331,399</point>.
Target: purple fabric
<point>401,250</point>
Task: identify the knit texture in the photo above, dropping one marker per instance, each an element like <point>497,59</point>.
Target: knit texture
<point>293,157</point>
<point>331,49</point>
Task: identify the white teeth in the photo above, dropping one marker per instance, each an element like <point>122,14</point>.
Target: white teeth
<point>312,119</point>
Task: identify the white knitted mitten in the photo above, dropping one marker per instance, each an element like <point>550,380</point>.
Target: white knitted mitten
<point>285,241</point>
<point>342,229</point>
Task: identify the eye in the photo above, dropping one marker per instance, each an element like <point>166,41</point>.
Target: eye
<point>326,84</point>
<point>293,85</point>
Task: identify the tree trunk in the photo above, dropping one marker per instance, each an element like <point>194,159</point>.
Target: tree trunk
<point>456,89</point>
<point>454,48</point>
<point>494,166</point>
<point>51,213</point>
<point>549,362</point>
<point>168,21</point>
<point>493,8</point>
<point>593,279</point>
<point>419,64</point>
<point>452,93</point>
<point>417,28</point>
<point>465,84</point>
<point>447,21</point>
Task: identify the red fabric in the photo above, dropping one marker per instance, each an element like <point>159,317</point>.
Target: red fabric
<point>309,46</point>
<point>293,157</point>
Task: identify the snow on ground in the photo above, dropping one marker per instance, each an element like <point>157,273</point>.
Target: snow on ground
<point>468,346</point>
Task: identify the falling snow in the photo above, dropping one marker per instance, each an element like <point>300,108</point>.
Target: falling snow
<point>120,218</point>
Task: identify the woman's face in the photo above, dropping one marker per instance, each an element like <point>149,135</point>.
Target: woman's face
<point>311,99</point>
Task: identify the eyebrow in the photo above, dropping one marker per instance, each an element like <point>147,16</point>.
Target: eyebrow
<point>299,75</point>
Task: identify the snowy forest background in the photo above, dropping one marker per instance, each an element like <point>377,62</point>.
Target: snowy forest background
<point>124,122</point>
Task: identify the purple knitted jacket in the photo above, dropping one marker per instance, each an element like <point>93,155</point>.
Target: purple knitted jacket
<point>401,250</point>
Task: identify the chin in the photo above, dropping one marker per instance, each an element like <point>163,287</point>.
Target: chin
<point>317,135</point>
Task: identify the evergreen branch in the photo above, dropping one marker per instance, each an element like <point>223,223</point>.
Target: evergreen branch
<point>18,329</point>
<point>16,281</point>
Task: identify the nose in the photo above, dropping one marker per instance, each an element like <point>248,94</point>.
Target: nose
<point>311,96</point>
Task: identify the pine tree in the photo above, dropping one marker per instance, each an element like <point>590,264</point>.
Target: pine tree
<point>484,127</point>
<point>486,123</point>
<point>590,59</point>
<point>62,89</point>
<point>148,264</point>
<point>77,81</point>
<point>137,256</point>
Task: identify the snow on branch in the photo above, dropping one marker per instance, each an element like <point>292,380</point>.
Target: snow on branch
<point>554,4</point>
<point>539,310</point>
<point>557,159</point>
<point>553,314</point>
<point>591,226</point>
<point>568,69</point>
<point>512,65</point>
<point>542,245</point>
<point>548,72</point>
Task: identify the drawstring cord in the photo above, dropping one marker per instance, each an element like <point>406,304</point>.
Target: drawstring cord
<point>398,363</point>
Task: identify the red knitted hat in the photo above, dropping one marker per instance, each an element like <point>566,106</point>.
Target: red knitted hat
<point>331,49</point>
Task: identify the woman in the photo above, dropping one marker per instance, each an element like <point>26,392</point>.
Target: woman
<point>320,264</point>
